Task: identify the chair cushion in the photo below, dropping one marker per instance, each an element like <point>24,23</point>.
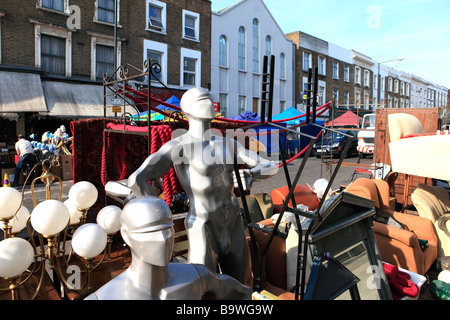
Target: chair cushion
<point>303,194</point>
<point>431,201</point>
<point>403,124</point>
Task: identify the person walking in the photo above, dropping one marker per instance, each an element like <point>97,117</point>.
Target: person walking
<point>25,152</point>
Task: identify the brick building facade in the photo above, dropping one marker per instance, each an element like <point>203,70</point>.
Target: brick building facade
<point>74,42</point>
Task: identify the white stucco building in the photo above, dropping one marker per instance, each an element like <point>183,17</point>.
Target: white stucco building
<point>241,35</point>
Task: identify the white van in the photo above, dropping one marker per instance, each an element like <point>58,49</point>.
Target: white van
<point>366,137</point>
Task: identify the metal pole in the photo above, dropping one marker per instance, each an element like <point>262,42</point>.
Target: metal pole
<point>308,96</point>
<point>115,37</point>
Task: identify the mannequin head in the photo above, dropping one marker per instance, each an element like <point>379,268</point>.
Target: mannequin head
<point>197,103</point>
<point>147,228</point>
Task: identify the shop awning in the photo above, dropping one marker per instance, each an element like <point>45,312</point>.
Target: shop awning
<point>73,100</point>
<point>9,116</point>
<point>21,92</point>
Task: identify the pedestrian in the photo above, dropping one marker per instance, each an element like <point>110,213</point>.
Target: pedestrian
<point>26,155</point>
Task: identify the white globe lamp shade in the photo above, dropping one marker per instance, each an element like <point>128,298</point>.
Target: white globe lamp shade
<point>74,213</point>
<point>109,219</point>
<point>16,255</point>
<point>50,217</point>
<point>83,194</point>
<point>10,200</point>
<point>89,240</point>
<point>19,221</point>
<point>444,275</point>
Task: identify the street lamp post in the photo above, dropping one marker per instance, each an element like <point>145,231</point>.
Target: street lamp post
<point>379,76</point>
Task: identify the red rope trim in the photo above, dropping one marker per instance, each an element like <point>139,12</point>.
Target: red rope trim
<point>145,96</point>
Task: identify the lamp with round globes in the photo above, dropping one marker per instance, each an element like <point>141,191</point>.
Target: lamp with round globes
<point>74,213</point>
<point>19,221</point>
<point>83,195</point>
<point>88,242</point>
<point>16,255</point>
<point>49,218</point>
<point>10,203</point>
<point>109,219</point>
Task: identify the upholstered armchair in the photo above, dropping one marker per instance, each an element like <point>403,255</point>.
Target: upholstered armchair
<point>433,203</point>
<point>398,246</point>
<point>279,265</point>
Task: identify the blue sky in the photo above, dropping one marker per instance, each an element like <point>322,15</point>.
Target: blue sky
<point>416,30</point>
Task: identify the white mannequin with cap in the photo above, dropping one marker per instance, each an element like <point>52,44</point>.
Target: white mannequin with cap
<point>148,230</point>
<point>204,166</point>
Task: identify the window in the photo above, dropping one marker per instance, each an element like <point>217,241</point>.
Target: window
<point>357,75</point>
<point>268,51</point>
<point>105,10</point>
<point>366,78</point>
<point>390,84</point>
<point>282,66</point>
<point>322,65</point>
<point>156,16</point>
<point>157,53</point>
<point>53,54</point>
<point>336,96</point>
<point>321,97</point>
<point>53,4</point>
<point>282,106</point>
<point>104,61</point>
<point>189,71</point>
<point>346,98</point>
<point>241,104</point>
<point>52,48</point>
<point>191,25</point>
<point>402,88</point>
<point>241,49</point>
<point>155,57</point>
<point>358,98</point>
<point>306,61</point>
<point>335,70</point>
<point>375,82</point>
<point>346,73</point>
<point>191,68</point>
<point>395,86</point>
<point>223,100</point>
<point>255,45</point>
<point>382,84</point>
<point>223,51</point>
<point>102,56</point>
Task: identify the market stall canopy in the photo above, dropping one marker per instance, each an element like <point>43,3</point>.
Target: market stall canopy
<point>291,112</point>
<point>347,119</point>
<point>74,101</point>
<point>21,92</point>
<point>172,100</point>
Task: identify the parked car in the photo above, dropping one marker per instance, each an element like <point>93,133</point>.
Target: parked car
<point>333,143</point>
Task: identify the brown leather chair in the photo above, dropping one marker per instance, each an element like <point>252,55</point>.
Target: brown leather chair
<point>303,194</point>
<point>263,205</point>
<point>399,247</point>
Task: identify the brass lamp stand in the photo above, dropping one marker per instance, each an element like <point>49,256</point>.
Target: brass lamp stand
<point>50,220</point>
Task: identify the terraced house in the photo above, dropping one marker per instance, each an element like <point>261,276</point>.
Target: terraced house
<point>54,54</point>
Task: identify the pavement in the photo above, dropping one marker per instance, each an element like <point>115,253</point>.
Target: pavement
<point>314,169</point>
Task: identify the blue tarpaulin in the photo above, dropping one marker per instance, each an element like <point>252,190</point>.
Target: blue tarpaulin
<point>307,129</point>
<point>268,135</point>
<point>155,115</point>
